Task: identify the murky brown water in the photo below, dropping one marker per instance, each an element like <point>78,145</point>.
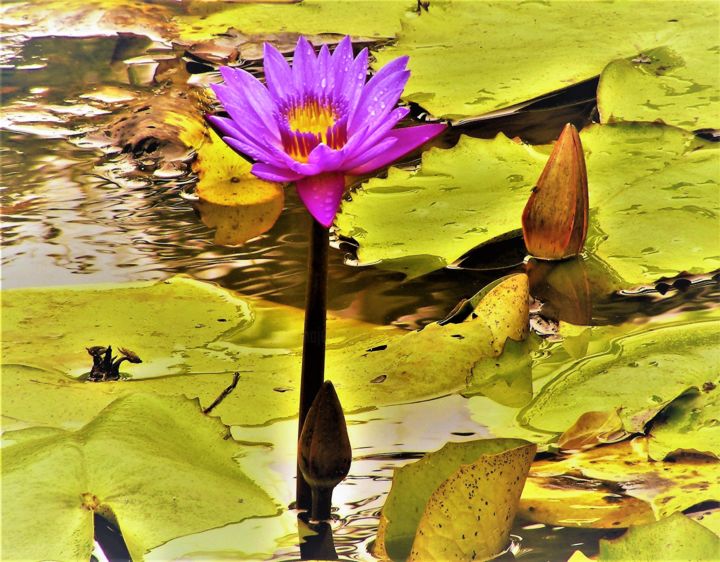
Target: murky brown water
<point>75,212</point>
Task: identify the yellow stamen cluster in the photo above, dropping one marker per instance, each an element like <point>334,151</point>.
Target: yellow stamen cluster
<point>312,117</point>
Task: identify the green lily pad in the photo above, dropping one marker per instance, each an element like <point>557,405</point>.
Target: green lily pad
<point>676,87</point>
<point>643,373</point>
<point>192,336</point>
<point>691,424</point>
<point>470,58</point>
<point>507,378</point>
<point>459,499</point>
<point>654,208</point>
<point>674,538</point>
<point>310,17</point>
<point>581,347</point>
<point>154,465</point>
<point>458,199</point>
<point>653,193</point>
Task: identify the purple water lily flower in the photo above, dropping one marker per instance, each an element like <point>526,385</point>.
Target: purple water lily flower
<point>318,121</point>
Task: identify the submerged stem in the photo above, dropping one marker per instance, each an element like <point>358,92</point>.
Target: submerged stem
<point>313,361</point>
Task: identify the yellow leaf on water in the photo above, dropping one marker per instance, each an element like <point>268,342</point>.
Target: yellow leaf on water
<point>506,310</point>
<point>455,501</point>
<point>470,515</point>
<point>667,487</point>
<point>571,502</point>
<point>230,199</point>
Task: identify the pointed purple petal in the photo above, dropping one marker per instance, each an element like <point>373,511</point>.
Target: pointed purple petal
<point>355,80</point>
<point>223,127</point>
<point>322,195</point>
<point>358,158</point>
<point>342,60</point>
<point>408,139</point>
<point>244,87</point>
<point>325,74</point>
<point>228,128</point>
<point>304,67</point>
<point>273,173</point>
<point>380,94</point>
<point>278,75</point>
<point>365,138</point>
<point>242,111</point>
<point>259,147</point>
<point>245,149</point>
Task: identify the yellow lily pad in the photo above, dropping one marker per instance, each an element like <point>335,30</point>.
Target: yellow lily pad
<point>570,502</point>
<point>455,501</point>
<point>230,199</point>
<point>667,487</point>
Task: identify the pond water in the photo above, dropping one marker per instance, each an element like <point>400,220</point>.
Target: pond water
<point>77,210</point>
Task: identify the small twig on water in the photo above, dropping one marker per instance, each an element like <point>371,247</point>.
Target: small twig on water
<point>223,395</point>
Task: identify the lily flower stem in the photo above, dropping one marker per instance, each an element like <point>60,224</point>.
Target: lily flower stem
<point>313,359</point>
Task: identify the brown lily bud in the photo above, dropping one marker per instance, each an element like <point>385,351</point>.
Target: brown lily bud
<point>324,451</point>
<point>555,218</point>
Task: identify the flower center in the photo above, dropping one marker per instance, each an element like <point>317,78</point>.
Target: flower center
<point>312,117</point>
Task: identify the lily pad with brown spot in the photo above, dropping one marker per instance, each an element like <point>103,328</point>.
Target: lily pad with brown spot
<point>454,501</point>
<point>230,199</point>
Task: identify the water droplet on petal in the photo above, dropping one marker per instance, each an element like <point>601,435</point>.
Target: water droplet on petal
<point>323,83</point>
